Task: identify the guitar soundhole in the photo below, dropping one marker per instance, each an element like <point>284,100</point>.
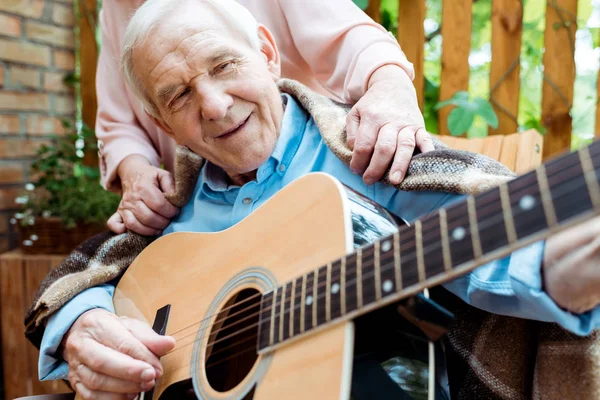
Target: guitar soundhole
<point>231,351</point>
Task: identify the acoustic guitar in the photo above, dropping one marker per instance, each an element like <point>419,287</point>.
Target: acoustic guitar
<point>265,309</point>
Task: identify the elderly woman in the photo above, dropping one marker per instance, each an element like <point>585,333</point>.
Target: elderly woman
<point>330,46</point>
<point>210,83</point>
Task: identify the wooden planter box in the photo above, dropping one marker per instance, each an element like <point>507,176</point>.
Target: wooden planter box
<point>48,236</point>
<point>20,276</point>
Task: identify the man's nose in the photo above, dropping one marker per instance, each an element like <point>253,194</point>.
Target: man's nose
<point>214,101</point>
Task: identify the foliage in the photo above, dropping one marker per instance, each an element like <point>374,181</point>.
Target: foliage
<point>462,116</point>
<point>64,186</point>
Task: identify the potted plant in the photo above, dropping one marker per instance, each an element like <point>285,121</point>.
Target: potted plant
<point>65,204</point>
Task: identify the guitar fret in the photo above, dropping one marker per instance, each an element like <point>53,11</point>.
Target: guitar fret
<point>445,241</point>
<point>377,270</point>
<point>359,295</point>
<point>302,303</point>
<point>419,250</point>
<point>397,261</point>
<point>477,252</point>
<point>328,294</point>
<point>315,297</point>
<point>273,306</point>
<point>292,308</point>
<point>546,196</point>
<point>511,232</point>
<point>281,313</point>
<point>343,286</point>
<point>589,174</point>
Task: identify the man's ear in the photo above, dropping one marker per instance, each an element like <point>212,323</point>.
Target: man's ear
<point>269,49</point>
<point>161,124</point>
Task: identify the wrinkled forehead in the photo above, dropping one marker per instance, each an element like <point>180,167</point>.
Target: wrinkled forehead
<point>194,27</point>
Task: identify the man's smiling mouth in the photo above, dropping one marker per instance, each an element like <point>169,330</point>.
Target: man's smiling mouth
<point>235,129</point>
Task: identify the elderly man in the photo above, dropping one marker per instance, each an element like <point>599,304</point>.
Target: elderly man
<point>207,73</point>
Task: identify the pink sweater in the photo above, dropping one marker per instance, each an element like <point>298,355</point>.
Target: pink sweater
<point>329,45</point>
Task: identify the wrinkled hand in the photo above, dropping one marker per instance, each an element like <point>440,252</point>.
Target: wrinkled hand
<point>143,208</point>
<point>572,267</point>
<point>112,357</point>
<point>385,125</point>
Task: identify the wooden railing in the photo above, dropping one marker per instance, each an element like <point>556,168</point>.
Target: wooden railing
<point>507,29</point>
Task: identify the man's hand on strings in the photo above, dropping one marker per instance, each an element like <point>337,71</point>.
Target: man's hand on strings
<point>572,267</point>
<point>385,125</point>
<point>143,208</point>
<point>113,357</point>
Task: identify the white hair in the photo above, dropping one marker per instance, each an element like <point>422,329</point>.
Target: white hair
<point>147,17</point>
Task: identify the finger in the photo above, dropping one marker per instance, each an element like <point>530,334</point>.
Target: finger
<point>100,382</point>
<point>115,224</point>
<point>157,344</point>
<point>156,201</point>
<point>108,361</point>
<point>364,146</point>
<point>404,152</point>
<point>383,154</point>
<point>166,181</point>
<point>112,333</point>
<point>132,223</point>
<point>352,120</point>
<point>424,141</point>
<point>88,394</point>
<point>148,217</point>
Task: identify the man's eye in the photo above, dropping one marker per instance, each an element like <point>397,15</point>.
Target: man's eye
<point>182,94</point>
<point>223,67</point>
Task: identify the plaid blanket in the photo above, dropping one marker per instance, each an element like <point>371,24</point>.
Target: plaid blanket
<point>490,356</point>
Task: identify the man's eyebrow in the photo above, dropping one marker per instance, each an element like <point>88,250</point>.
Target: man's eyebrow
<point>165,93</point>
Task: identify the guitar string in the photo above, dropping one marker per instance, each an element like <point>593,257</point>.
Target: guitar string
<point>268,318</point>
<point>405,243</point>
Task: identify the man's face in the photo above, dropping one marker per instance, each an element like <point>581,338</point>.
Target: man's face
<point>215,93</point>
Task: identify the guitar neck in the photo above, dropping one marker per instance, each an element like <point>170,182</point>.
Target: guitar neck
<point>437,248</point>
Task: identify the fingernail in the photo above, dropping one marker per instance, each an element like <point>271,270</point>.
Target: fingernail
<point>396,177</point>
<point>131,396</point>
<point>368,181</point>
<point>147,375</point>
<point>147,385</point>
<point>355,171</point>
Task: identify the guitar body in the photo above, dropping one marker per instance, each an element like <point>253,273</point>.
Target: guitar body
<point>305,225</point>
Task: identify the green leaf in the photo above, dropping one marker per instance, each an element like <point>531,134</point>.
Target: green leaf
<point>361,3</point>
<point>485,110</point>
<point>460,99</point>
<point>460,120</point>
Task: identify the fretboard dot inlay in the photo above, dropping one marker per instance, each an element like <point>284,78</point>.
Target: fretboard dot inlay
<point>308,300</point>
<point>388,286</point>
<point>527,202</point>
<point>335,288</point>
<point>386,246</point>
<point>459,233</point>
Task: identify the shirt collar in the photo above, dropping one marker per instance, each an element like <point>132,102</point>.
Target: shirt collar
<point>293,125</point>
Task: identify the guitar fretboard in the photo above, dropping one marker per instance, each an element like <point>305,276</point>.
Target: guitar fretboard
<point>436,248</point>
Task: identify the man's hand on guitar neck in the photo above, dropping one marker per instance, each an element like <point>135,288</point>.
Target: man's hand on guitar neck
<point>572,267</point>
<point>113,357</point>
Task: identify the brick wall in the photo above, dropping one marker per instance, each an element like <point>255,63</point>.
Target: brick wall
<point>36,52</point>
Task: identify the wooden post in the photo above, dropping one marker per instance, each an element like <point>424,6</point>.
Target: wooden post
<point>456,45</point>
<point>559,74</point>
<point>374,10</point>
<point>411,36</point>
<point>507,29</point>
<point>88,57</point>
<point>597,134</point>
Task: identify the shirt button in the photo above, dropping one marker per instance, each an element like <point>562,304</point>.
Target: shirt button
<point>247,201</point>
<point>282,168</point>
